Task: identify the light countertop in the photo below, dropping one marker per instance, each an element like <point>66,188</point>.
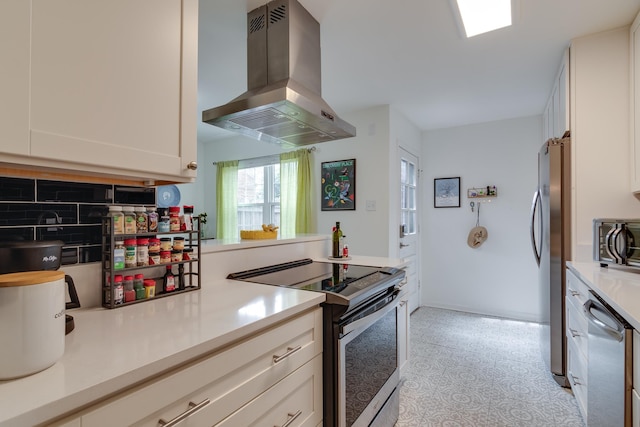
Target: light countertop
<point>225,245</point>
<point>113,349</point>
<point>370,261</point>
<point>619,288</point>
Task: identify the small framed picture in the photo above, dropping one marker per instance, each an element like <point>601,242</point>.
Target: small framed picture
<point>338,185</point>
<point>446,192</point>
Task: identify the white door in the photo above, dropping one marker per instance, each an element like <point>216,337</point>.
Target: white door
<point>409,223</point>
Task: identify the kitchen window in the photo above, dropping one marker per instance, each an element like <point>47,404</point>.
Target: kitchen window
<point>258,196</point>
<point>264,190</point>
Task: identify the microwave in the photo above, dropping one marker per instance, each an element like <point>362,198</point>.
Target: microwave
<point>617,241</point>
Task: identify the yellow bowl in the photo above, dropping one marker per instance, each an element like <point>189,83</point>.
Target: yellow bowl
<point>258,234</point>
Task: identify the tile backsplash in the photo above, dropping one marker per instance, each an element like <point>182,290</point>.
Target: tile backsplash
<point>38,209</point>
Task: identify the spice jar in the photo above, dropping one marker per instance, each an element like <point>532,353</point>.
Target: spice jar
<point>154,258</point>
<point>141,219</point>
<point>178,243</point>
<point>154,244</point>
<point>118,255</point>
<point>164,226</point>
<point>129,220</point>
<point>174,218</point>
<point>138,286</point>
<point>118,289</point>
<point>176,255</point>
<point>127,283</point>
<point>117,219</point>
<point>165,257</point>
<point>187,254</point>
<point>165,244</point>
<point>149,288</point>
<point>142,255</point>
<point>130,253</point>
<point>186,221</point>
<point>152,219</point>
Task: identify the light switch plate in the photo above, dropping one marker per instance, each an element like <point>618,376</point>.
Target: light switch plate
<point>371,205</point>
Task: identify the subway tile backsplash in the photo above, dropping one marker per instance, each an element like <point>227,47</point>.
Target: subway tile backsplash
<point>38,209</point>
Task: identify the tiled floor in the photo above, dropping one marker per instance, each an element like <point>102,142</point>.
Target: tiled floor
<point>479,371</point>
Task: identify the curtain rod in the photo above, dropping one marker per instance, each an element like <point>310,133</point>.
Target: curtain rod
<point>271,155</point>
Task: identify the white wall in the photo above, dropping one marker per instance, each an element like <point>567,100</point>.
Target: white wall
<point>599,74</point>
<point>366,231</point>
<point>500,277</point>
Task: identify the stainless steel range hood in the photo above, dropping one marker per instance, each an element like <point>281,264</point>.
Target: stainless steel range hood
<point>283,102</point>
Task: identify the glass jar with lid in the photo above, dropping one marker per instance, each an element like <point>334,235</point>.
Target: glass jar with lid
<point>129,220</point>
<point>117,219</point>
<point>141,219</point>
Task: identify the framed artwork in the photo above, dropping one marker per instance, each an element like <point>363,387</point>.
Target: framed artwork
<point>446,192</point>
<point>338,185</point>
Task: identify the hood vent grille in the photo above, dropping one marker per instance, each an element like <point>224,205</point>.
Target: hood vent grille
<point>283,103</point>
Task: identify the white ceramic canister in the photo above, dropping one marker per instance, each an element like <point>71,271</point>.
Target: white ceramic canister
<point>32,322</point>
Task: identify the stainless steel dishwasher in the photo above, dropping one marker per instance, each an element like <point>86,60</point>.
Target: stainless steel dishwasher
<point>609,372</point>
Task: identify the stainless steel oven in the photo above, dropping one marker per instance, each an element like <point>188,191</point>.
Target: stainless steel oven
<point>360,350</point>
<point>367,365</point>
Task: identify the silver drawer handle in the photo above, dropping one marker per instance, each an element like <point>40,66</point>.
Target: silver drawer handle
<point>574,333</point>
<point>291,418</point>
<point>193,408</point>
<point>290,351</point>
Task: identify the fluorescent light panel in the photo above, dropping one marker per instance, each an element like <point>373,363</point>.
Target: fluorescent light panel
<point>482,16</point>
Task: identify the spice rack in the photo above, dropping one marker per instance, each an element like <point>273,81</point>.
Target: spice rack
<point>156,272</point>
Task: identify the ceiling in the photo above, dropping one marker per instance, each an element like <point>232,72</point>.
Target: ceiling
<point>411,54</point>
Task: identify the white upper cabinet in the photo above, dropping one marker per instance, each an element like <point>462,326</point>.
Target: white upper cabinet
<point>555,119</point>
<point>634,43</point>
<point>14,76</point>
<point>111,87</point>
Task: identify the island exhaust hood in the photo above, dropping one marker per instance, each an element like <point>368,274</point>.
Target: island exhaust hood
<point>283,103</point>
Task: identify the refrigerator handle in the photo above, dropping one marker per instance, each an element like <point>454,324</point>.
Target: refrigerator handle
<point>534,204</point>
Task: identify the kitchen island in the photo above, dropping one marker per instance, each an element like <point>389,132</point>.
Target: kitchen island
<point>110,351</point>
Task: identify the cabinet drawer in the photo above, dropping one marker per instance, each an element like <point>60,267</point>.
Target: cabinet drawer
<point>577,327</point>
<point>576,289</point>
<point>227,379</point>
<point>577,374</point>
<point>298,396</point>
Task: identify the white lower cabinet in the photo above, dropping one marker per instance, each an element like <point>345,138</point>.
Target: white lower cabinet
<point>274,375</point>
<point>577,334</point>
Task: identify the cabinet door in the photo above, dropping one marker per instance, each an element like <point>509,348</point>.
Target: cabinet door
<point>14,76</point>
<point>635,104</point>
<point>113,86</point>
<point>562,114</point>
<point>296,401</point>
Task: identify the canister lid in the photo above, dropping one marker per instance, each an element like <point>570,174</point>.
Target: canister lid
<point>27,278</point>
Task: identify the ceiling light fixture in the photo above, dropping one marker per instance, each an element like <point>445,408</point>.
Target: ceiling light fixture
<point>482,16</point>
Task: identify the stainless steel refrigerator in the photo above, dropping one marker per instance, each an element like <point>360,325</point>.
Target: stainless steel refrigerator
<point>551,242</point>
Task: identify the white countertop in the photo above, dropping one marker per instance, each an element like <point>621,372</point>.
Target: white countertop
<point>113,349</point>
<point>619,288</point>
<point>370,261</point>
<point>225,245</point>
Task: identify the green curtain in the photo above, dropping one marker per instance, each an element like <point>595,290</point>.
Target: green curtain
<point>226,199</point>
<point>295,189</point>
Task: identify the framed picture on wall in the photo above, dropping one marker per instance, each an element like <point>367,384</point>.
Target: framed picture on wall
<point>338,185</point>
<point>446,192</point>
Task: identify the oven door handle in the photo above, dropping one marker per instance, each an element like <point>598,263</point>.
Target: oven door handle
<point>373,317</point>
